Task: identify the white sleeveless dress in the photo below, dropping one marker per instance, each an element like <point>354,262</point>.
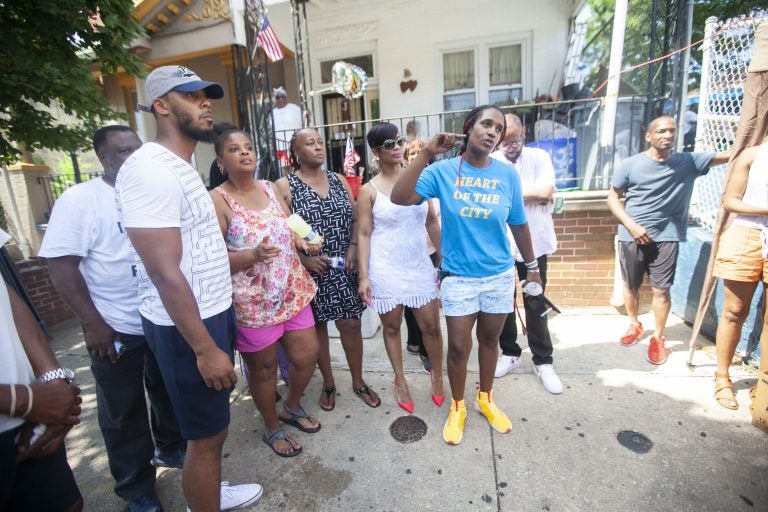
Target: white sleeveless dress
<point>399,266</point>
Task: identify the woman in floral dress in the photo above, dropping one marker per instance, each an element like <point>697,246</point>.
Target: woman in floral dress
<point>272,290</point>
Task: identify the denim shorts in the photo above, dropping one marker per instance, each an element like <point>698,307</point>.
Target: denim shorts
<point>463,296</point>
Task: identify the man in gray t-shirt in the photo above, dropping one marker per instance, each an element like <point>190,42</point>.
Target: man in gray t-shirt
<point>657,185</point>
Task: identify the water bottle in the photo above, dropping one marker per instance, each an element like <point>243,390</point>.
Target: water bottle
<point>531,288</point>
<point>336,262</point>
<point>304,230</point>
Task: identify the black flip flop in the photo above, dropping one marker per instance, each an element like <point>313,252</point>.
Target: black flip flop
<point>295,417</point>
<point>364,390</point>
<point>277,435</point>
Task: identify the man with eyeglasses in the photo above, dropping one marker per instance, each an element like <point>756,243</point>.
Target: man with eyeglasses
<point>537,175</point>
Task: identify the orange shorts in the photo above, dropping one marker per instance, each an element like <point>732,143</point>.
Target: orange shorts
<point>740,255</point>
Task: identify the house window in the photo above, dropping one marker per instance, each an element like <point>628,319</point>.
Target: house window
<point>364,61</point>
<point>489,71</point>
<point>505,75</point>
<point>458,85</point>
<point>459,80</point>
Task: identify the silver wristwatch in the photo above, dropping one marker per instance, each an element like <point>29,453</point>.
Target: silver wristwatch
<point>59,373</point>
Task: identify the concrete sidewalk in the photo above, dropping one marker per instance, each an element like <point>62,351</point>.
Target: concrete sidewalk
<point>562,454</point>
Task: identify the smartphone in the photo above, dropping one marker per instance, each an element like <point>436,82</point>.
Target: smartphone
<point>119,348</point>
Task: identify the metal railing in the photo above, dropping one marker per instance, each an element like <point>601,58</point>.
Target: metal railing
<point>568,130</point>
<point>54,185</point>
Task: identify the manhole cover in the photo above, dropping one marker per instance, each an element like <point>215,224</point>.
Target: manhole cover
<point>635,441</point>
<point>408,429</point>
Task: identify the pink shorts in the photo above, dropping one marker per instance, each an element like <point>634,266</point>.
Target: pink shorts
<point>255,339</point>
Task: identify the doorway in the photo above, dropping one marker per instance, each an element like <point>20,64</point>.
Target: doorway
<point>342,117</point>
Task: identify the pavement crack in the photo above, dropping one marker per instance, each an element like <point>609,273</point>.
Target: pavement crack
<point>495,470</point>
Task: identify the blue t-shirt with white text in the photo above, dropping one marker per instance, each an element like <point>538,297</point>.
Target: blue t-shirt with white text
<point>474,214</point>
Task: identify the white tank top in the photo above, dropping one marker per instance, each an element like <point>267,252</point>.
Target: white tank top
<point>756,193</point>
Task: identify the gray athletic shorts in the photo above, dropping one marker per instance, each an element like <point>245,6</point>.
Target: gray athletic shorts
<point>657,259</point>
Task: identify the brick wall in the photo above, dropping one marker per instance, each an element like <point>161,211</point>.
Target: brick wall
<point>581,272</point>
<point>34,275</point>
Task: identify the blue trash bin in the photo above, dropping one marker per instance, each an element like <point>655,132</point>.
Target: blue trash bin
<point>563,154</point>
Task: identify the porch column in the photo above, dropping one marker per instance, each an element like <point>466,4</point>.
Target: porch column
<point>25,202</point>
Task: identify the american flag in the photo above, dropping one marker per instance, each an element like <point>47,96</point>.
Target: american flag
<point>350,158</point>
<point>268,41</point>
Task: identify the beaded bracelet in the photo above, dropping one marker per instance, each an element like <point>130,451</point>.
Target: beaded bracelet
<point>532,264</point>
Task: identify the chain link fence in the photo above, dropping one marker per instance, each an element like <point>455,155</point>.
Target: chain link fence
<point>727,52</point>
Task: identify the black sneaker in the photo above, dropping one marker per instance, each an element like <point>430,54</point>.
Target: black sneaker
<point>147,503</point>
<point>425,363</point>
<point>169,460</point>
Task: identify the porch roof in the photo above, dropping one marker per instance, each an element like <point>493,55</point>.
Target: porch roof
<point>160,18</point>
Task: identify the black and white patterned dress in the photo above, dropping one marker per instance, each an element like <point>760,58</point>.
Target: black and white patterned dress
<point>331,216</point>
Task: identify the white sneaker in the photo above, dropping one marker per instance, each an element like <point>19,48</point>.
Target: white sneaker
<point>505,365</point>
<point>548,377</point>
<point>238,496</point>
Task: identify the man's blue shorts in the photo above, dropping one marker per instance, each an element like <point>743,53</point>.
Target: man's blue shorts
<point>201,411</point>
<point>45,483</point>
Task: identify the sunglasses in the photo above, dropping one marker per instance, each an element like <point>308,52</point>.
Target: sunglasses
<point>390,144</point>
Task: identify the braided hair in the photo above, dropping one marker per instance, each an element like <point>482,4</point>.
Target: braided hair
<point>293,160</point>
<point>469,123</point>
<point>471,119</point>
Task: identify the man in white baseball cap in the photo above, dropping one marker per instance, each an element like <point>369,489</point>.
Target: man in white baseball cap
<point>185,286</point>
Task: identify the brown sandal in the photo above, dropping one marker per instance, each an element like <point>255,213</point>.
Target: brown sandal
<point>724,392</point>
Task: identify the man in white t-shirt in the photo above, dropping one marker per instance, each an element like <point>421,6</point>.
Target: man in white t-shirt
<point>537,176</point>
<point>91,264</point>
<point>184,281</point>
<point>35,414</point>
